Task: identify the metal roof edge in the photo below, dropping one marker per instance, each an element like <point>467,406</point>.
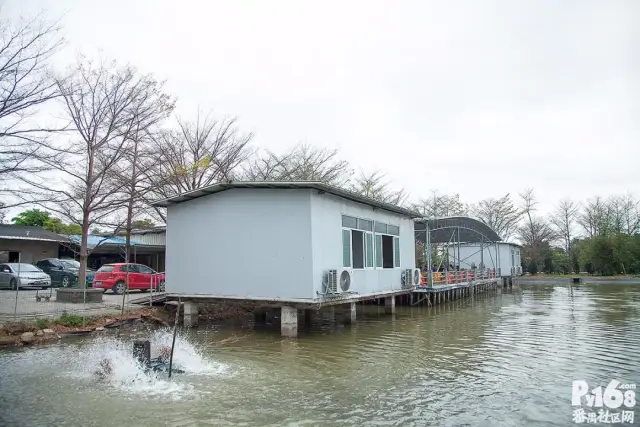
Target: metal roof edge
<point>316,185</point>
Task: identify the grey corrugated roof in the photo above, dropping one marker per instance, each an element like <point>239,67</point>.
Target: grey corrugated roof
<point>471,230</point>
<point>307,185</point>
<point>26,232</point>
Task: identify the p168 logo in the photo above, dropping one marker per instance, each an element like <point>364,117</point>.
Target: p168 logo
<point>616,396</point>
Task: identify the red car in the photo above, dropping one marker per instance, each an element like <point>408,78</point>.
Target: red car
<point>113,276</point>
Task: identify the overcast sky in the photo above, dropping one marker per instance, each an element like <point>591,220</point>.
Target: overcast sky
<point>479,98</point>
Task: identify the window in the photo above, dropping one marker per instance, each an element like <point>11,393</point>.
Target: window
<point>387,251</point>
<point>361,248</point>
<point>357,245</point>
<point>145,270</point>
<point>349,221</point>
<point>346,248</point>
<point>369,247</point>
<point>396,251</point>
<point>105,269</point>
<point>378,250</point>
<point>365,224</point>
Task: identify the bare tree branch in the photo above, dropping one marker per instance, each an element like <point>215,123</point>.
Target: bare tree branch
<point>375,187</point>
<point>195,155</point>
<point>499,214</point>
<point>564,219</point>
<point>301,163</point>
<point>107,105</point>
<point>25,85</point>
<point>441,206</point>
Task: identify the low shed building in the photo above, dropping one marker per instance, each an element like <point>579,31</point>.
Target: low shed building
<point>289,242</point>
<point>21,243</point>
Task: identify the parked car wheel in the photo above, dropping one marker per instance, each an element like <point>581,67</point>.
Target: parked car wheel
<point>118,288</point>
<point>13,285</point>
<point>66,282</point>
<point>161,286</point>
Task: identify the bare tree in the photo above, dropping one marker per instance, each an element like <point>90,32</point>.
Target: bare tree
<point>138,158</point>
<point>631,215</point>
<point>564,219</point>
<point>501,215</point>
<point>25,86</point>
<point>593,218</point>
<point>375,187</point>
<point>301,163</point>
<point>105,103</point>
<point>536,233</point>
<point>195,155</point>
<point>440,206</point>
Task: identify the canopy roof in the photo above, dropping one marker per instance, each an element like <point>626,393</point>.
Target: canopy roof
<point>444,230</point>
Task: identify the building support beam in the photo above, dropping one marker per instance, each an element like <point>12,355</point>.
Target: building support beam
<point>348,313</point>
<point>390,305</point>
<point>289,322</point>
<point>190,309</point>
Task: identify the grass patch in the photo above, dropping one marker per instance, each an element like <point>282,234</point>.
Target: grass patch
<point>42,323</point>
<point>71,320</point>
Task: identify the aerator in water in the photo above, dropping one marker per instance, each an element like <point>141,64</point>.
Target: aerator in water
<point>162,363</point>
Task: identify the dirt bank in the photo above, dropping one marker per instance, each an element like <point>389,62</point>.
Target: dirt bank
<point>45,330</point>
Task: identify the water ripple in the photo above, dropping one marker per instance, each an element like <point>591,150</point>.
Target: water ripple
<point>505,359</point>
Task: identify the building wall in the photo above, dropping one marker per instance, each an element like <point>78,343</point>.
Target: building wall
<point>156,238</point>
<point>326,229</point>
<point>30,250</point>
<point>471,253</point>
<point>244,243</point>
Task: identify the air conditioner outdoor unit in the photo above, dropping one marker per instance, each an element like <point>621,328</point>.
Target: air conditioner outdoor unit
<point>330,282</point>
<point>417,277</point>
<point>345,279</point>
<point>337,281</point>
<point>407,278</point>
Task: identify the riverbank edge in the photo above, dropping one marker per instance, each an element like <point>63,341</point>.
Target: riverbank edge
<point>44,331</point>
<point>630,280</point>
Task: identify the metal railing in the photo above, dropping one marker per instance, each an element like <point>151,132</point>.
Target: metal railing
<point>440,278</point>
<point>43,305</point>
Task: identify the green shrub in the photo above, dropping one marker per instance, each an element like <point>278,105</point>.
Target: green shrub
<point>42,323</point>
<point>71,320</point>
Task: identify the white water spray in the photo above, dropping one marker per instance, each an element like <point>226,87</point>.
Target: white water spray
<point>129,376</point>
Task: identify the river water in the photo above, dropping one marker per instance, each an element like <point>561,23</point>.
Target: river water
<point>503,359</point>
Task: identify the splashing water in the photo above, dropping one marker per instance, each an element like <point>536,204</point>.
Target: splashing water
<point>186,356</point>
<point>128,375</point>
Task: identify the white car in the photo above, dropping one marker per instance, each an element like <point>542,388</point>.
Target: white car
<point>14,275</point>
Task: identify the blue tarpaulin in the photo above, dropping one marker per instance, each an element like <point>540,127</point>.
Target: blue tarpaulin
<point>94,241</point>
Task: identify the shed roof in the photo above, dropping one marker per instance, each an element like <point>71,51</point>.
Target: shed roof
<point>442,229</point>
<point>27,232</point>
<point>306,185</point>
<point>94,241</point>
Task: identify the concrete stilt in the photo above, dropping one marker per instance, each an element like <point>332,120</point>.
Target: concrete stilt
<point>348,313</point>
<point>190,313</point>
<point>289,322</point>
<point>390,305</point>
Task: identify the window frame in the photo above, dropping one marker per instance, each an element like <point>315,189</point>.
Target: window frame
<point>374,246</point>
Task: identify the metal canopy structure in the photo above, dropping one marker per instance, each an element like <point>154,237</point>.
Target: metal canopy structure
<point>462,228</point>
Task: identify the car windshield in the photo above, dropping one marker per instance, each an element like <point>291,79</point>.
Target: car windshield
<point>71,263</point>
<point>27,268</point>
<point>105,268</point>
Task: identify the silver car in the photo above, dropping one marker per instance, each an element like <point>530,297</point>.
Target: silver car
<point>14,275</point>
